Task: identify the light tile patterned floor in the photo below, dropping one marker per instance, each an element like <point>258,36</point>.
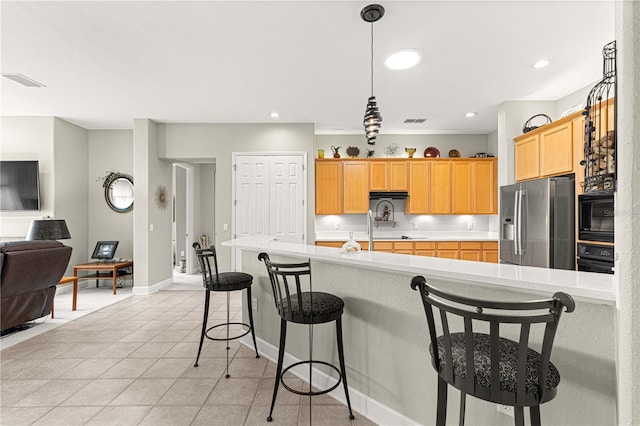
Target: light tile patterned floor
<point>131,363</point>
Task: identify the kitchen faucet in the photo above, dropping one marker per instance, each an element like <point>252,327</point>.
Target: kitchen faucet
<point>370,229</point>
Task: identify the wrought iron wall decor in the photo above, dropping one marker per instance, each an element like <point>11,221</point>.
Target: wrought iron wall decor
<point>599,131</point>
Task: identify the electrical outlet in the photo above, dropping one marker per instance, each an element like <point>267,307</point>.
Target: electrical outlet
<point>336,226</point>
<point>505,409</point>
<point>470,225</point>
<point>415,225</point>
<point>254,304</point>
<point>182,253</point>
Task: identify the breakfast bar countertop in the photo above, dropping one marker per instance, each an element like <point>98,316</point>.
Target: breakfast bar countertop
<point>593,287</point>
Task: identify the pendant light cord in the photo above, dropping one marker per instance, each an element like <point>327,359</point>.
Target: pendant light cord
<point>372,59</point>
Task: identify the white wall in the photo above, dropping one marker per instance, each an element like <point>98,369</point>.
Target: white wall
<point>468,145</point>
<point>70,186</point>
<point>152,226</point>
<point>28,138</point>
<point>109,150</point>
<point>208,142</point>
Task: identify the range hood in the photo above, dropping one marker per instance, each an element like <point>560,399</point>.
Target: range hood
<point>393,195</point>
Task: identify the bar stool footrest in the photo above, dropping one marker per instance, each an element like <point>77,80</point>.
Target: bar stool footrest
<point>310,392</point>
<point>220,339</point>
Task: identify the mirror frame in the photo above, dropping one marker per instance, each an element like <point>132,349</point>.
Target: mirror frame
<point>113,177</point>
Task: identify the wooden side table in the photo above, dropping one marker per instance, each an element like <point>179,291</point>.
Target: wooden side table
<point>67,280</point>
<point>98,267</point>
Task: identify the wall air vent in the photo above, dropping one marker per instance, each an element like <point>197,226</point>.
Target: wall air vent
<point>21,79</point>
<point>415,120</point>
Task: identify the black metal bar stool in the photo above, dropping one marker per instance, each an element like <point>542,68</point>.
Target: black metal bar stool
<point>489,366</point>
<point>303,307</point>
<point>215,281</point>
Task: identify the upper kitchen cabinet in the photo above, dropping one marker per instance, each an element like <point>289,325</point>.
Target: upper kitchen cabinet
<point>419,184</point>
<point>484,176</point>
<point>527,156</point>
<point>355,175</point>
<point>388,175</point>
<point>556,150</point>
<point>328,187</point>
<point>440,187</point>
<point>474,187</point>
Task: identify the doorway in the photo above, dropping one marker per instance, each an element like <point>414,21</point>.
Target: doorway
<point>183,217</point>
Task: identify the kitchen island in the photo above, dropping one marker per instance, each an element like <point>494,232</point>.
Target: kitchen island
<point>386,339</point>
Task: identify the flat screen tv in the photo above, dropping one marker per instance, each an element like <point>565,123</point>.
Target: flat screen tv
<point>19,185</point>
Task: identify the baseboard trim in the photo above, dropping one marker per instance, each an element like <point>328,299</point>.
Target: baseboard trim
<point>360,403</point>
<point>146,290</point>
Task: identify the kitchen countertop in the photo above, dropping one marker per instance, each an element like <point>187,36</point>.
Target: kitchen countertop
<point>413,236</point>
<point>597,288</point>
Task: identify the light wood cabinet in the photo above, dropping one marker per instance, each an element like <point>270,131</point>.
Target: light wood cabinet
<point>527,157</point>
<point>479,251</point>
<point>556,150</point>
<point>471,251</point>
<point>388,175</point>
<point>484,178</point>
<point>328,187</point>
<point>490,251</point>
<point>440,187</point>
<point>419,184</point>
<point>462,192</point>
<point>448,249</point>
<point>425,248</point>
<point>355,189</point>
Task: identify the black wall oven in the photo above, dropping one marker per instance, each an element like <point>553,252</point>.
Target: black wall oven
<point>595,258</point>
<point>595,217</point>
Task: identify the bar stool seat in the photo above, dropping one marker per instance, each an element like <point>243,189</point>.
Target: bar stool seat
<point>325,308</point>
<point>508,350</point>
<point>229,281</point>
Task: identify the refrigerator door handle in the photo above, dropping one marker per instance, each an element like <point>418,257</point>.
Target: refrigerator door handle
<point>524,208</point>
<point>516,220</point>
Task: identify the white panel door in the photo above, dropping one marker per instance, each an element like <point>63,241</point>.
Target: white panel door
<point>269,192</point>
<point>286,191</point>
<point>252,195</point>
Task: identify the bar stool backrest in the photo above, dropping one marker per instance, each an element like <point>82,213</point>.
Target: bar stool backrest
<point>286,284</point>
<point>440,304</point>
<point>205,255</point>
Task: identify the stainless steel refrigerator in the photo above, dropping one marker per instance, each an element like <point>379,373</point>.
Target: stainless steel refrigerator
<point>537,223</point>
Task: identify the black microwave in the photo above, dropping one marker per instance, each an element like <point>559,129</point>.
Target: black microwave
<point>595,217</point>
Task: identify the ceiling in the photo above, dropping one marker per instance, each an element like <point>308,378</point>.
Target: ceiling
<point>106,63</point>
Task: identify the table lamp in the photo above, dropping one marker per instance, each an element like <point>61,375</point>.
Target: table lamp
<point>48,229</point>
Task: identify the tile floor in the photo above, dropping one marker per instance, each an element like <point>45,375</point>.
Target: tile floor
<point>131,363</point>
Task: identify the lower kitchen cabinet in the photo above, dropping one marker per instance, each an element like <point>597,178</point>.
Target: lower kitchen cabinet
<point>471,251</point>
<point>490,251</point>
<point>478,251</point>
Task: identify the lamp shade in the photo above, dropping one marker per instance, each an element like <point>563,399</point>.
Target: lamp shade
<point>48,230</point>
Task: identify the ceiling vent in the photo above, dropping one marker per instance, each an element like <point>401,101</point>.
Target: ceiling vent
<point>415,120</point>
<point>21,79</point>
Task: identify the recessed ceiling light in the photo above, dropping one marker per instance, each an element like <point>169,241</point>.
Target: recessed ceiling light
<point>274,114</point>
<point>403,59</point>
<point>540,64</point>
<point>471,114</point>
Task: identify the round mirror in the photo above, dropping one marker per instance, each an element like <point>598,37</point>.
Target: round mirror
<point>118,192</point>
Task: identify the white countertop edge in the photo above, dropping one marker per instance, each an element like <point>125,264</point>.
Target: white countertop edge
<point>593,287</point>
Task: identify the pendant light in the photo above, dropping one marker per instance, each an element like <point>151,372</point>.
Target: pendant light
<point>372,118</point>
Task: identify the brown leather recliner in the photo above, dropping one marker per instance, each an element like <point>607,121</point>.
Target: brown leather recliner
<point>30,271</point>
